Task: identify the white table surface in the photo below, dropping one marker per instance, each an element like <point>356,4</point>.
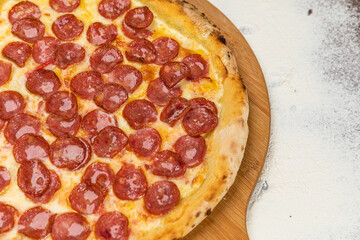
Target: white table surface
<point>310,186</point>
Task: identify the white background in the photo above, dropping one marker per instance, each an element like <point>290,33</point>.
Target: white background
<point>310,186</point>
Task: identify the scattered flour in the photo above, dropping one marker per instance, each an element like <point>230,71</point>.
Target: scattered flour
<point>309,51</point>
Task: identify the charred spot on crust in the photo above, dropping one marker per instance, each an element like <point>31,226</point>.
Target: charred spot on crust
<point>192,7</point>
<point>214,26</point>
<point>224,177</point>
<point>229,55</point>
<point>197,214</point>
<point>203,14</point>
<point>208,212</point>
<point>222,39</point>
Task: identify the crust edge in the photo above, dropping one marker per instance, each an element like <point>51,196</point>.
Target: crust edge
<point>230,137</point>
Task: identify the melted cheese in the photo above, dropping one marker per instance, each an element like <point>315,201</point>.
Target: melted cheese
<point>87,12</point>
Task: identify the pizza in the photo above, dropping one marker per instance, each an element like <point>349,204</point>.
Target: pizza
<point>120,119</point>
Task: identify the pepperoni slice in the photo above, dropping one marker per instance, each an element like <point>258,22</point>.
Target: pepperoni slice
<point>112,9</point>
<point>43,82</point>
<point>145,142</point>
<point>5,72</point>
<point>24,9</point>
<point>199,68</point>
<point>192,150</point>
<point>168,164</point>
<point>99,174</point>
<point>86,83</point>
<point>44,50</point>
<point>173,72</point>
<point>112,226</point>
<point>130,183</point>
<point>63,6</point>
<point>204,103</point>
<point>167,49</point>
<point>7,219</point>
<point>161,197</point>
<point>105,58</point>
<point>68,54</point>
<point>33,177</point>
<point>140,17</point>
<point>138,113</point>
<point>110,97</point>
<point>36,222</point>
<point>86,198</point>
<point>97,120</point>
<point>67,27</point>
<point>109,142</point>
<point>127,76</point>
<point>62,104</point>
<point>176,109</point>
<point>11,103</point>
<point>199,120</point>
<point>71,153</point>
<point>31,147</point>
<point>159,94</point>
<point>19,125</point>
<point>134,33</point>
<point>5,178</point>
<point>63,128</point>
<point>100,34</point>
<point>18,52</point>
<point>54,186</point>
<point>141,50</point>
<point>28,29</point>
<point>70,226</point>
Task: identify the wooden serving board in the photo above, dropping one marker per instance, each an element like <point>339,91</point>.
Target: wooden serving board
<point>228,220</point>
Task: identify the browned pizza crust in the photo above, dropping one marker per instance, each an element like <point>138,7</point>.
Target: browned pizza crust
<point>226,145</point>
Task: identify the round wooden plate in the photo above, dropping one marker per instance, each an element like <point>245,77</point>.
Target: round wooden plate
<point>228,220</point>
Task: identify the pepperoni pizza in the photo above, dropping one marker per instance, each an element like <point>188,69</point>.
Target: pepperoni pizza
<point>120,119</point>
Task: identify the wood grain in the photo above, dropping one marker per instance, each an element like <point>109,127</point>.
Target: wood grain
<point>228,220</point>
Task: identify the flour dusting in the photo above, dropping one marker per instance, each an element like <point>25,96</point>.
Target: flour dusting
<point>310,54</point>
